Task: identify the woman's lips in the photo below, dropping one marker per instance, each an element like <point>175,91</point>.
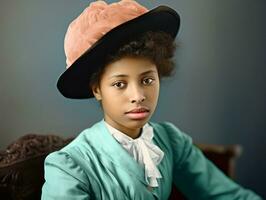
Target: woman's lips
<point>138,113</point>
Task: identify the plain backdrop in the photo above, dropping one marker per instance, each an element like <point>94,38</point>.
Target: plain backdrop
<point>218,94</point>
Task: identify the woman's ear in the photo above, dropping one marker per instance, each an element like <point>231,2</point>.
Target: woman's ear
<point>96,92</point>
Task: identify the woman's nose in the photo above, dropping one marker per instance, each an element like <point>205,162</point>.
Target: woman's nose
<point>136,94</point>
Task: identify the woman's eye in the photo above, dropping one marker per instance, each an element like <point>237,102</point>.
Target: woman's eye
<point>148,81</point>
<point>119,85</point>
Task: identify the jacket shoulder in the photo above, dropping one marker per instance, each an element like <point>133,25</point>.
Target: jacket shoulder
<point>171,130</point>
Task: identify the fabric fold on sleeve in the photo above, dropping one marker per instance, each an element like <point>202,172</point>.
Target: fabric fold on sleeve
<point>64,179</point>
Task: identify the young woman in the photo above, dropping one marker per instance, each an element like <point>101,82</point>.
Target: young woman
<point>118,54</point>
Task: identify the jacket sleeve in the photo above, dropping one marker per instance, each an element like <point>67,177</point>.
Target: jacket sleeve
<point>64,179</point>
<point>197,177</point>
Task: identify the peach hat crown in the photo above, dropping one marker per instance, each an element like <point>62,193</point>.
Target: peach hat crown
<point>94,22</point>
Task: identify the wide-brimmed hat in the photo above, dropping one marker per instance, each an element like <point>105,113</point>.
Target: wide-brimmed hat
<point>99,31</point>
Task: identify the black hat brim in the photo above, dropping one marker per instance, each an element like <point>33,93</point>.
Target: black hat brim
<point>74,82</point>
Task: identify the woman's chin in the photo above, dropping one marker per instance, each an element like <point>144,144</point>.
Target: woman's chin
<point>135,124</point>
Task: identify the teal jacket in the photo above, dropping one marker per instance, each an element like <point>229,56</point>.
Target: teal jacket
<point>96,166</point>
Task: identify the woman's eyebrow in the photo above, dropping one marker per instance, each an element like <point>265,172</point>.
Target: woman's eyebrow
<point>147,72</point>
<point>118,76</point>
<point>125,75</point>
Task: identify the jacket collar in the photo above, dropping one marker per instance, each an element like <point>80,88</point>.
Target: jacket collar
<point>114,152</point>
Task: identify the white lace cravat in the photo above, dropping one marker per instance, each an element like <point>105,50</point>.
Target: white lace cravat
<point>143,151</point>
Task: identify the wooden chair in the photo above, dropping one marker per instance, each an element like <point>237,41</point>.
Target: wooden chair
<point>22,174</point>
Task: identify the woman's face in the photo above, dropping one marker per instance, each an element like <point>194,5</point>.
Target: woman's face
<point>128,91</point>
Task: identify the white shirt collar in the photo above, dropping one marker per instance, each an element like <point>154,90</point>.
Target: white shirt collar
<point>143,150</point>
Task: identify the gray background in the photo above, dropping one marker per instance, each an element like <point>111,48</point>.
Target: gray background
<point>218,94</point>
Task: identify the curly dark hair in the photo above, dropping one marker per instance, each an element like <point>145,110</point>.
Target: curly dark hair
<point>158,47</point>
